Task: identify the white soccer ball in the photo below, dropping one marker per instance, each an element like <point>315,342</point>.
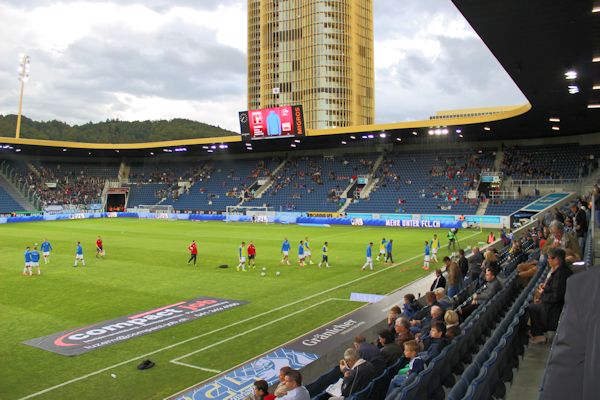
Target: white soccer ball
<point>277,273</point>
<point>263,274</point>
<point>264,269</point>
<point>113,376</point>
<point>35,244</point>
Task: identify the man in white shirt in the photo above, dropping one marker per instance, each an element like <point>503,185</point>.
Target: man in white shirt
<point>293,381</point>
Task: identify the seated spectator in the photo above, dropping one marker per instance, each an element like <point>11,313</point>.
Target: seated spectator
<point>489,290</point>
<point>559,239</point>
<point>433,345</point>
<point>475,264</point>
<point>295,390</point>
<point>544,314</point>
<point>261,391</point>
<point>403,333</point>
<point>452,327</point>
<point>415,365</point>
<point>525,271</point>
<point>490,261</point>
<point>422,327</point>
<point>439,281</point>
<point>358,373</point>
<point>281,388</point>
<point>454,281</point>
<point>424,312</point>
<point>444,301</point>
<point>390,350</point>
<point>410,306</point>
<point>366,350</point>
<point>392,316</point>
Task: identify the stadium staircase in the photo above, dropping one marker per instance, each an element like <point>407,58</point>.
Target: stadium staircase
<point>345,206</point>
<point>270,182</point>
<point>21,197</point>
<point>11,200</point>
<point>482,207</point>
<point>498,160</point>
<point>123,173</point>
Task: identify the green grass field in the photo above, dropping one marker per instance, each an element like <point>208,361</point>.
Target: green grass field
<point>146,267</point>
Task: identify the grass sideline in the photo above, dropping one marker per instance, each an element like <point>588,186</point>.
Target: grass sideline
<point>145,267</point>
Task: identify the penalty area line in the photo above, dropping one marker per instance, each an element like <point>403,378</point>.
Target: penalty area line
<point>133,359</point>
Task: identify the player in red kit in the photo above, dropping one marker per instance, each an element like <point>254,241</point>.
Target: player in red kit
<point>193,248</point>
<point>251,255</point>
<point>99,248</point>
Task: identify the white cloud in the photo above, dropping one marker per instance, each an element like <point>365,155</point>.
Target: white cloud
<point>97,59</point>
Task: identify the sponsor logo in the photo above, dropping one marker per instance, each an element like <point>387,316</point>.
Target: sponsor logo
<point>337,329</point>
<point>412,223</point>
<point>357,221</point>
<point>237,384</point>
<point>298,120</point>
<point>82,340</point>
<point>77,216</point>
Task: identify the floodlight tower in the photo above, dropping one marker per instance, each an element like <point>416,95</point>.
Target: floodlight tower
<point>24,61</point>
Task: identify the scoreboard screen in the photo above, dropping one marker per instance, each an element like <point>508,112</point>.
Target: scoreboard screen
<point>272,123</point>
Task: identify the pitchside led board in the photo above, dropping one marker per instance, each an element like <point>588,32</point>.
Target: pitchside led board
<point>272,123</point>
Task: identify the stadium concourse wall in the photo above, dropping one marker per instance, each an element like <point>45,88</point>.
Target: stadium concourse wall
<point>362,219</point>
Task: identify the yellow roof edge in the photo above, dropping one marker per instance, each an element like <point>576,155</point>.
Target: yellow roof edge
<point>508,112</point>
<point>120,146</point>
<point>504,112</point>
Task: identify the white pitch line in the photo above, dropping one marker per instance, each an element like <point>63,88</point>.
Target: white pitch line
<point>51,388</point>
<point>216,371</point>
<point>254,329</point>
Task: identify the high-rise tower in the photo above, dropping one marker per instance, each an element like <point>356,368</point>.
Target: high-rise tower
<point>317,53</point>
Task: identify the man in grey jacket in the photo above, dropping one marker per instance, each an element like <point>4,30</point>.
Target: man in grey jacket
<point>490,289</point>
<point>475,264</point>
<point>574,365</point>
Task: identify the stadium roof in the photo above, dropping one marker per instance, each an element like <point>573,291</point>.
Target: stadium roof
<point>541,44</point>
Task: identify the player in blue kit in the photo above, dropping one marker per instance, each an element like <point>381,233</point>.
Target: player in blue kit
<point>325,259</point>
<point>79,255</point>
<point>285,251</point>
<point>369,262</point>
<point>301,254</point>
<point>46,248</point>
<point>35,260</point>
<point>27,268</point>
<point>426,259</point>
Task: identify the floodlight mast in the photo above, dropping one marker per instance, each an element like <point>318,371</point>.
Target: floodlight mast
<point>24,62</point>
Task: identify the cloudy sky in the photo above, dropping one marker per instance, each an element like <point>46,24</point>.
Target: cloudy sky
<point>162,59</point>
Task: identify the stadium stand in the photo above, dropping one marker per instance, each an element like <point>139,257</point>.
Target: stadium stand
<point>7,203</point>
<point>550,162</point>
<point>426,182</point>
<point>315,183</point>
<point>221,184</point>
<point>508,206</point>
<point>480,362</point>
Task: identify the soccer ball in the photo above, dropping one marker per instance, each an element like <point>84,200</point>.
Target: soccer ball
<point>263,274</point>
<point>277,273</point>
<point>35,244</point>
<point>264,269</point>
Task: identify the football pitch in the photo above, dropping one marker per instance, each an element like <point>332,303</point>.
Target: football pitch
<point>146,268</point>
